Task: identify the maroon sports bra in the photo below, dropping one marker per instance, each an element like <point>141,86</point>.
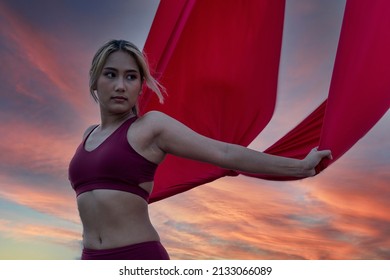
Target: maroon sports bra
<point>113,165</point>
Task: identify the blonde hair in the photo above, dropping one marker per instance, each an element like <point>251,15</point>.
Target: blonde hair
<point>112,46</point>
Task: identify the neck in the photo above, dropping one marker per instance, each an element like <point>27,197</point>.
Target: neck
<point>113,120</point>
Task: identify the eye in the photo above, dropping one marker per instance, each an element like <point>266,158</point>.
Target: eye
<point>109,74</point>
<point>131,77</point>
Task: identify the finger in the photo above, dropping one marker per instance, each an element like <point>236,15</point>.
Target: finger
<point>326,153</point>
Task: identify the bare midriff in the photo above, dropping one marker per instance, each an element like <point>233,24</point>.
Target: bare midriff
<point>114,219</point>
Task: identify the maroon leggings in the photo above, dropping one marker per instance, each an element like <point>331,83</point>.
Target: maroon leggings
<point>151,250</point>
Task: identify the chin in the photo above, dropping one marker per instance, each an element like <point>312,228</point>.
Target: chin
<point>120,109</point>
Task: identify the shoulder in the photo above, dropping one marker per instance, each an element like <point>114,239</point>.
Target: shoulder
<point>146,127</point>
<point>155,116</point>
<point>156,125</point>
<point>155,120</point>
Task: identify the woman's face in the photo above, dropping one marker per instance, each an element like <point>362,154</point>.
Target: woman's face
<point>119,84</point>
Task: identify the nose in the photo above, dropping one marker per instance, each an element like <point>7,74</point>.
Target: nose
<point>120,85</point>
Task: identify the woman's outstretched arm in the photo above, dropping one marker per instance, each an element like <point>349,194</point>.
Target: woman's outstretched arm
<point>175,138</point>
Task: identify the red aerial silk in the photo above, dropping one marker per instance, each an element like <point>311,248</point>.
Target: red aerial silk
<point>219,61</point>
<point>359,93</point>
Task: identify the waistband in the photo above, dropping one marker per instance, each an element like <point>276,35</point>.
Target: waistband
<point>137,190</point>
<point>150,250</point>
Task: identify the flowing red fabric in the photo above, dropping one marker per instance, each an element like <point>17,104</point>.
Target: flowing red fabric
<point>359,93</point>
<point>360,88</point>
<point>219,62</point>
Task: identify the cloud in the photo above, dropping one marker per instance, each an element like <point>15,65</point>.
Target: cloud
<point>44,75</point>
<point>40,50</point>
<point>245,218</point>
<point>37,148</point>
<point>48,199</point>
<point>230,224</point>
<point>26,231</point>
<point>33,168</point>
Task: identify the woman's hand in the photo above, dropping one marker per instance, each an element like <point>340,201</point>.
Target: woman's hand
<point>313,159</point>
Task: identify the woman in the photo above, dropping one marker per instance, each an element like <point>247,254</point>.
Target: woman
<point>112,170</point>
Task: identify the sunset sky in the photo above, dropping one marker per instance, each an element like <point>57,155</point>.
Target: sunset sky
<point>45,51</point>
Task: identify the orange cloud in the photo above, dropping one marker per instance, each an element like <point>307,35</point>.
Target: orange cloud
<point>27,231</point>
<point>49,200</point>
<point>41,50</point>
<point>358,192</point>
<point>36,147</point>
<point>241,218</point>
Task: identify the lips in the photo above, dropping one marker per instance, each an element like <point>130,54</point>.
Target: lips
<point>119,98</point>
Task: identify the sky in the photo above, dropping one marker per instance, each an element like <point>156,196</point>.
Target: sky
<point>45,51</point>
